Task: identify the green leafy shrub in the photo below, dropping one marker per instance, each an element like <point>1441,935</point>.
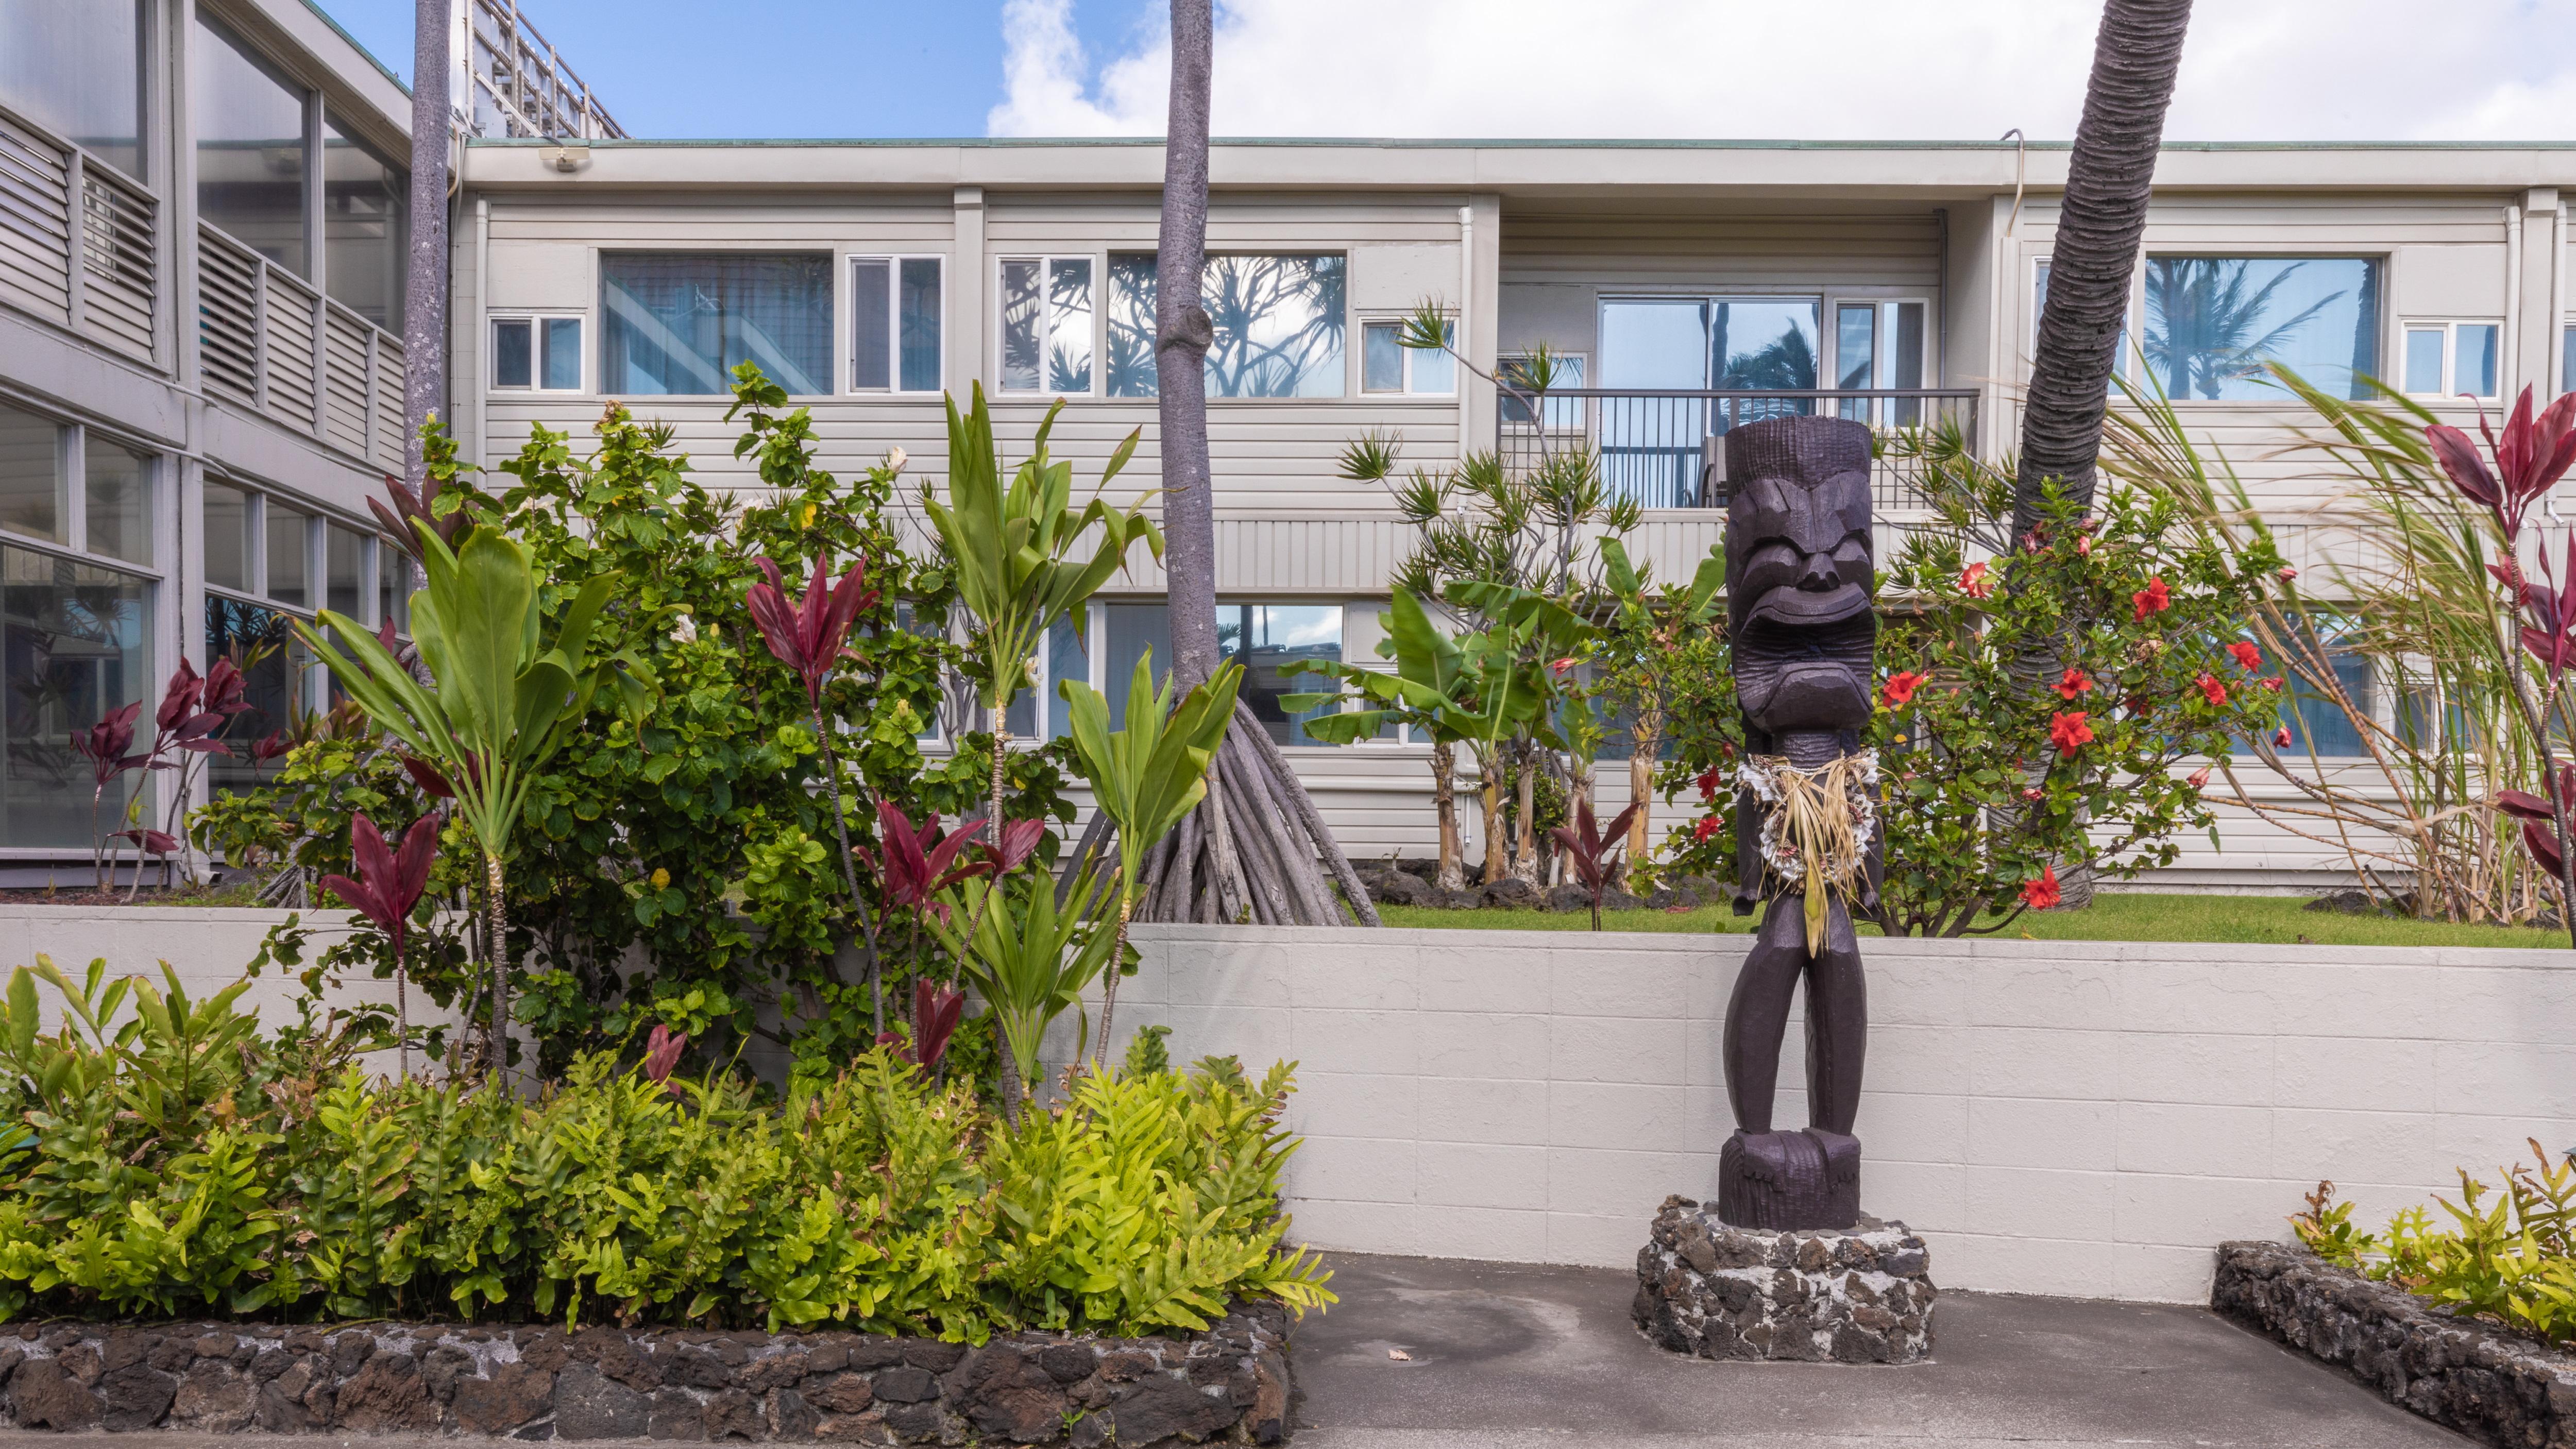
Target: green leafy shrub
<point>181,1164</point>
<point>2511,1261</point>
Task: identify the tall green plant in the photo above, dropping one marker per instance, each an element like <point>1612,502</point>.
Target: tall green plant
<point>1028,956</point>
<point>1147,776</point>
<point>499,702</point>
<point>1017,551</point>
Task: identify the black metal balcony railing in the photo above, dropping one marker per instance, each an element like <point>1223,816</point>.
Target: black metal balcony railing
<point>1665,447</point>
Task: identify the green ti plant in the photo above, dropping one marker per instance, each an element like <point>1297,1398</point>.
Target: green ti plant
<point>1029,957</point>
<point>500,701</point>
<point>1147,777</point>
<point>1018,552</point>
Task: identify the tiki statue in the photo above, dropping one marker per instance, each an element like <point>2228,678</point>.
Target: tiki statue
<point>1799,581</point>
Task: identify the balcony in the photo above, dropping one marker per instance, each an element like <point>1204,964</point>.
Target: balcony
<point>1665,448</point>
<point>271,343</point>
<point>78,242</point>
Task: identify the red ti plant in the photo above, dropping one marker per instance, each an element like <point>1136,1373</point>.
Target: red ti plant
<point>936,1010</point>
<point>807,638</point>
<point>389,885</point>
<point>1590,848</point>
<point>105,745</point>
<point>423,507</point>
<point>914,865</point>
<point>2530,456</point>
<point>662,1048</point>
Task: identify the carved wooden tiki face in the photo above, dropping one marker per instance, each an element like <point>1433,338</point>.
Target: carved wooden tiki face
<point>1799,573</point>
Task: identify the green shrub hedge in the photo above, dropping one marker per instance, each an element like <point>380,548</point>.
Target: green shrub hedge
<point>186,1164</point>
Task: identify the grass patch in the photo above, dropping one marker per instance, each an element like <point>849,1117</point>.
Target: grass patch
<point>2123,916</point>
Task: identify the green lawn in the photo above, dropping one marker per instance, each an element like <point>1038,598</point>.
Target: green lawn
<point>2127,916</point>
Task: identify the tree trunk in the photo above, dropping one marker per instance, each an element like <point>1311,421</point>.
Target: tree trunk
<point>1444,793</point>
<point>2109,177</point>
<point>2135,56</point>
<point>1641,789</point>
<point>497,1038</point>
<point>1269,823</point>
<point>1525,813</point>
<point>424,320</point>
<point>1490,785</point>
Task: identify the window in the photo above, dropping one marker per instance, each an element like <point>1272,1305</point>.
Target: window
<point>678,323</point>
<point>2316,723</point>
<point>1279,320</point>
<point>1064,657</point>
<point>75,67</point>
<point>31,469</point>
<point>1264,639</point>
<point>2120,356</point>
<point>2449,359</point>
<point>250,148</point>
<point>75,631</point>
<point>393,587</point>
<point>2566,358</point>
<point>1880,345</point>
<point>896,320</point>
<point>1562,414</point>
<point>1046,324</point>
<point>1387,365</point>
<point>538,353</point>
<point>343,565</point>
<point>366,240</point>
<point>227,536</point>
<point>269,562</point>
<point>276,675</point>
<point>289,533</point>
<point>2216,324</point>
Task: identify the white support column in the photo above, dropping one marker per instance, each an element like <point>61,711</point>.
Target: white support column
<point>965,289</point>
<point>1480,228</point>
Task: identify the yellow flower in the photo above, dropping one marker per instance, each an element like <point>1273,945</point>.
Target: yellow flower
<point>808,520</point>
<point>661,878</point>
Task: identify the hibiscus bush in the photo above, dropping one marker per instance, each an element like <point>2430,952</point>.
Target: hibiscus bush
<point>2044,702</point>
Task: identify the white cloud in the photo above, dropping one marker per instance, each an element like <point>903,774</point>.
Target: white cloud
<point>1824,69</point>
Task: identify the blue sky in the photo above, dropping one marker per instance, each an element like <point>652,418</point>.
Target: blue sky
<point>775,67</point>
<point>2253,70</point>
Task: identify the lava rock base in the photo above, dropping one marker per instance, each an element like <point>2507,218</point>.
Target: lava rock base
<point>2478,1378</point>
<point>1229,1383</point>
<point>1858,1295</point>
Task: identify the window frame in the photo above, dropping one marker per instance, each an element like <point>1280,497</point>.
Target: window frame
<point>1362,319</point>
<point>849,313</point>
<point>536,318</point>
<point>2449,327</point>
<point>1046,321</point>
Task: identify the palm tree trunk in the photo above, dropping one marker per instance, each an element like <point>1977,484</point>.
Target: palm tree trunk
<point>1444,793</point>
<point>425,292</point>
<point>1182,333</point>
<point>2108,177</point>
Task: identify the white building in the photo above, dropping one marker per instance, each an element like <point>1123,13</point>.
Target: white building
<point>168,489</point>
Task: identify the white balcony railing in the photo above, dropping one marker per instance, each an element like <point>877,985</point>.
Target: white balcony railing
<point>269,342</point>
<point>79,244</point>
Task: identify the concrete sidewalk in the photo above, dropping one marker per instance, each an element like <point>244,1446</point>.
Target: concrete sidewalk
<point>1506,1356</point>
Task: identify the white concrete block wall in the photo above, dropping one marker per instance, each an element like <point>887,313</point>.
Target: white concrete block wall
<point>2071,1118</point>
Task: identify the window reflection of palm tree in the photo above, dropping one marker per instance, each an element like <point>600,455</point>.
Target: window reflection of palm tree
<point>2202,322</point>
<point>1787,361</point>
<point>1245,292</point>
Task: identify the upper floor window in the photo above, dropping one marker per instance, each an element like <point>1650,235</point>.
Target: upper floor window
<point>1733,344</point>
<point>1046,324</point>
<point>897,310</point>
<point>75,67</point>
<point>2215,325</point>
<point>1279,321</point>
<point>2449,359</point>
<point>250,148</point>
<point>1387,365</point>
<point>71,486</point>
<point>541,354</point>
<point>1880,345</point>
<point>677,323</point>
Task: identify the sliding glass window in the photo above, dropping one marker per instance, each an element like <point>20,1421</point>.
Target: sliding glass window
<point>75,67</point>
<point>2216,326</point>
<point>678,323</point>
<point>366,209</point>
<point>1046,324</point>
<point>897,307</point>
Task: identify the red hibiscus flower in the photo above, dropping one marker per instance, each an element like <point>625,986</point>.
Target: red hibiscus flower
<point>1976,582</point>
<point>2074,685</point>
<point>2281,738</point>
<point>2288,573</point>
<point>2069,732</point>
<point>2211,689</point>
<point>2153,599</point>
<point>2042,893</point>
<point>2199,778</point>
<point>1707,783</point>
<point>1706,827</point>
<point>1899,689</point>
<point>2245,654</point>
<point>2273,684</point>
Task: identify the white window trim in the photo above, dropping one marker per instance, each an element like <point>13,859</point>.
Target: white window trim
<point>2450,327</point>
<point>1046,320</point>
<point>1362,321</point>
<point>536,351</point>
<point>894,261</point>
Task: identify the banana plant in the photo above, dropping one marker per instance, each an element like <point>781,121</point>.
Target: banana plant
<point>1018,551</point>
<point>1028,958</point>
<point>1146,777</point>
<point>500,699</point>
